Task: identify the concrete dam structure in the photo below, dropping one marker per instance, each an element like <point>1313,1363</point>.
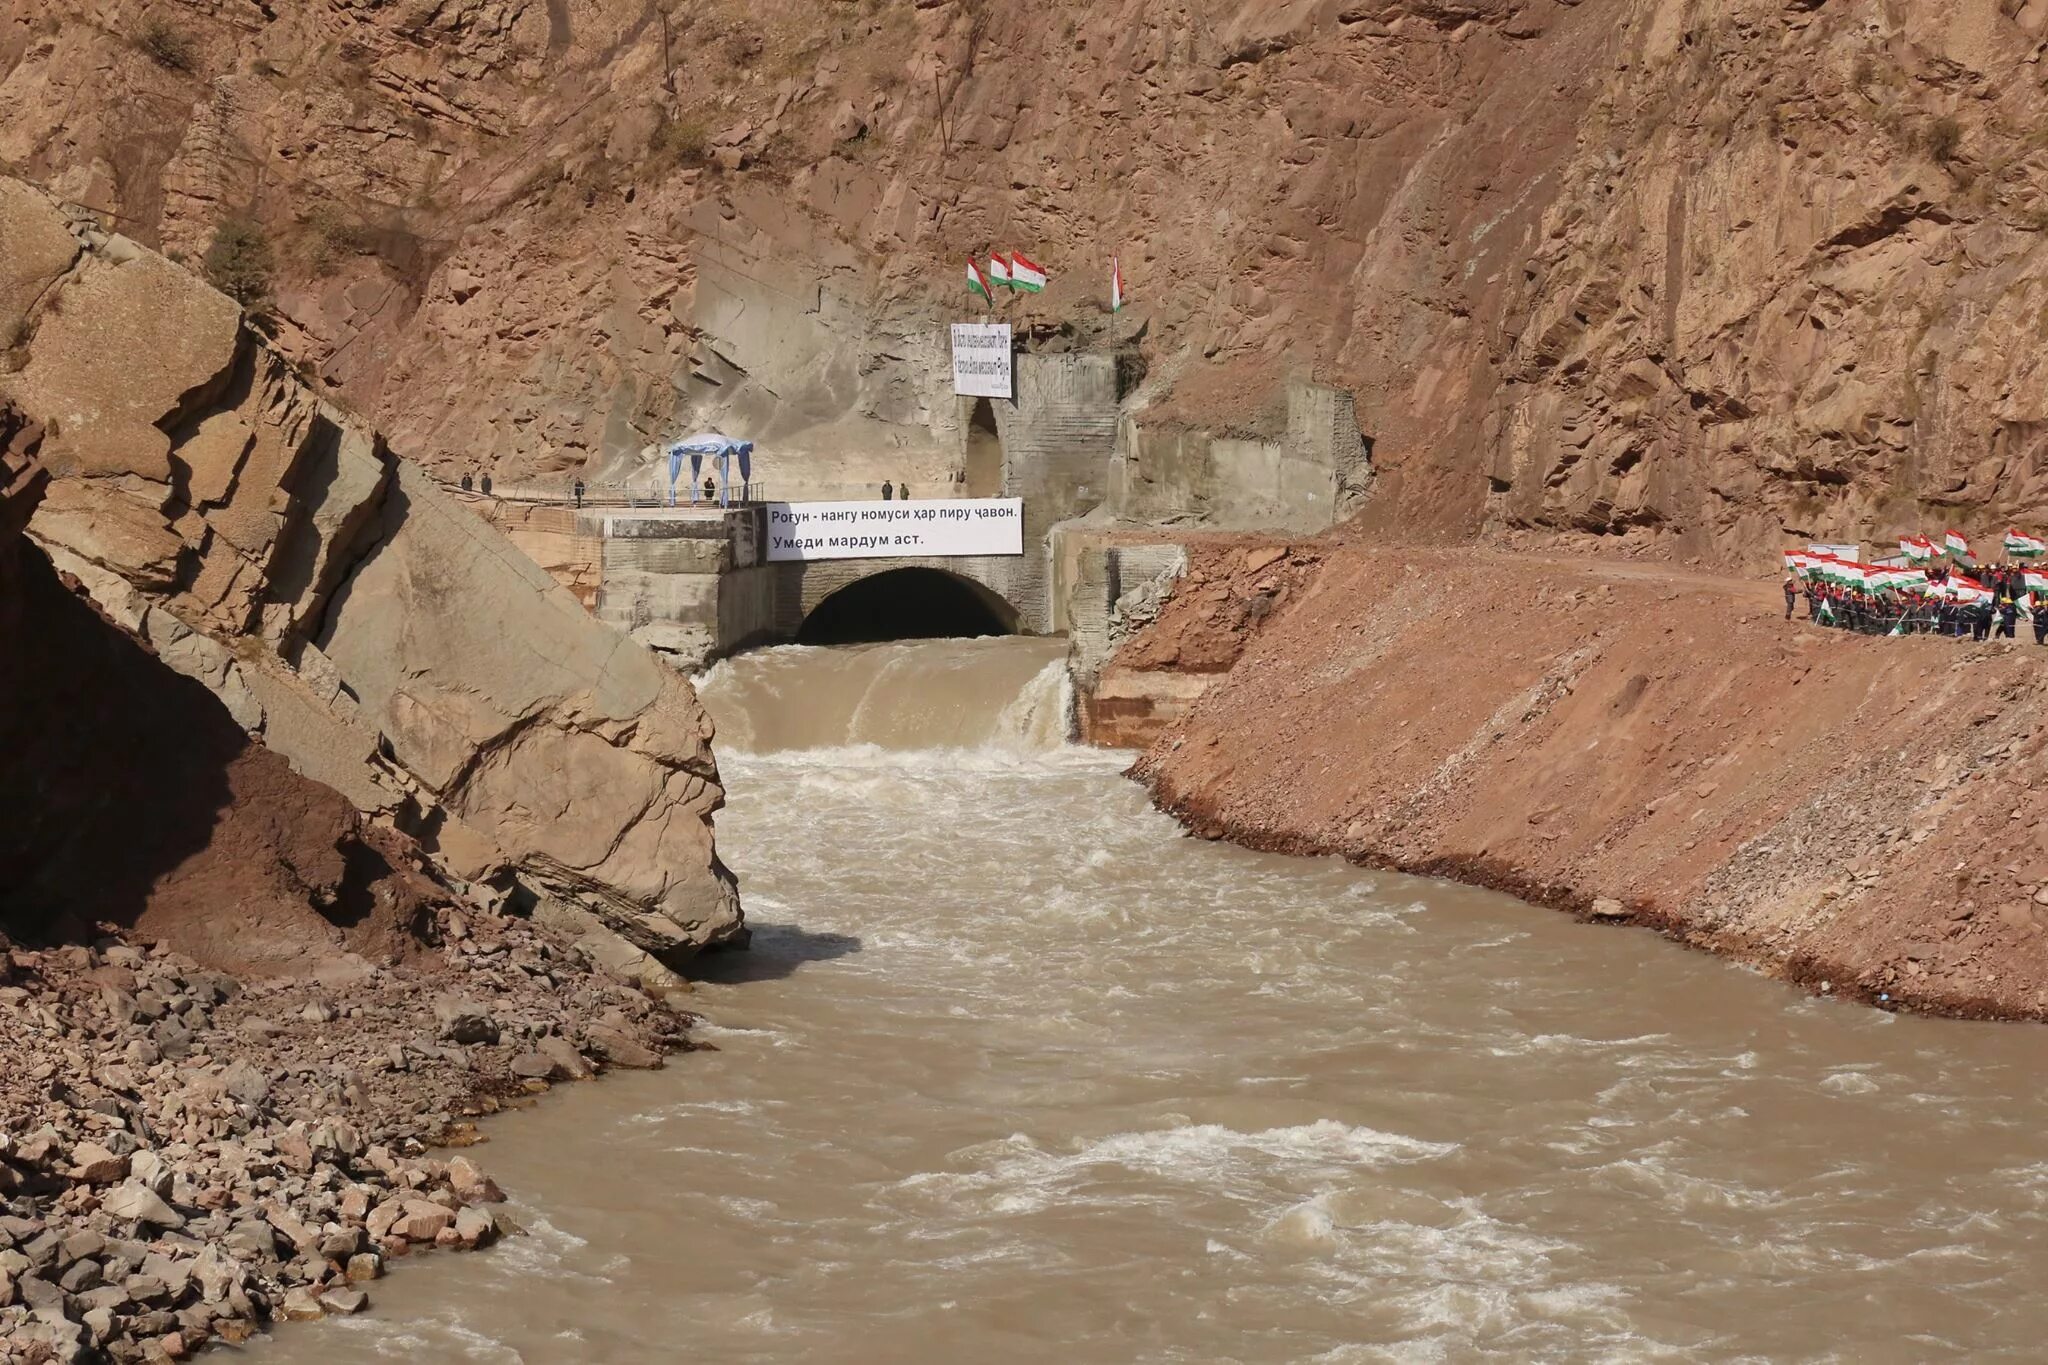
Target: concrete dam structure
<point>697,582</point>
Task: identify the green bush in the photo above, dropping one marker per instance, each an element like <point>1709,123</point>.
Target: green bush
<point>683,141</point>
<point>239,262</point>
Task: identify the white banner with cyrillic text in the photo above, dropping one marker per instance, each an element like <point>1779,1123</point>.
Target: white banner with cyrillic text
<point>948,527</point>
<point>981,359</point>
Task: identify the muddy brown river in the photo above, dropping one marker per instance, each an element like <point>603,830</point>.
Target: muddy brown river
<point>1015,1072</point>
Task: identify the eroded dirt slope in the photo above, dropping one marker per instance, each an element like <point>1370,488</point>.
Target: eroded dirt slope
<point>1634,743</point>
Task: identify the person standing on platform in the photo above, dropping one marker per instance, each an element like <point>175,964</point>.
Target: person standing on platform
<point>888,490</point>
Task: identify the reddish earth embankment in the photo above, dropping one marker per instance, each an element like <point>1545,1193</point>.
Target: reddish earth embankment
<point>1858,815</point>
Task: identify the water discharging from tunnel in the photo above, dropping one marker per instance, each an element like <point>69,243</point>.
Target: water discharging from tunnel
<point>998,693</point>
<point>1017,1073</point>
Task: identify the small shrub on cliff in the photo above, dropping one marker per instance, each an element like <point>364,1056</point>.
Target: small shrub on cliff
<point>239,262</point>
<point>333,236</point>
<point>1944,139</point>
<point>682,141</point>
<point>166,46</point>
<point>742,48</point>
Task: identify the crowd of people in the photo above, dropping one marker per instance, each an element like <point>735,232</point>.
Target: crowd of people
<point>1923,595</point>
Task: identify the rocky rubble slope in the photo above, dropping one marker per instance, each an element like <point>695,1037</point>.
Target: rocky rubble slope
<point>1863,816</point>
<point>320,803</point>
<point>186,1156</point>
<point>270,548</point>
<point>1692,271</point>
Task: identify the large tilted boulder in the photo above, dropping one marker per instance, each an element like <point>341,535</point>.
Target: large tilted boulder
<point>383,640</point>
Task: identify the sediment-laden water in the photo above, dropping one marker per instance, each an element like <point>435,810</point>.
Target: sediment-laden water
<point>1015,1072</point>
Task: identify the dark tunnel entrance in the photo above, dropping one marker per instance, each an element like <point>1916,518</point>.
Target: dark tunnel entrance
<point>907,604</point>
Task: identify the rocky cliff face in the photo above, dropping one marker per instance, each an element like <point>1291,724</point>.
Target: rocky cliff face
<point>1698,272</point>
<point>267,545</point>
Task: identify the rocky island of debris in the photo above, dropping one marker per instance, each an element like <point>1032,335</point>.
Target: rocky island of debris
<point>185,1158</point>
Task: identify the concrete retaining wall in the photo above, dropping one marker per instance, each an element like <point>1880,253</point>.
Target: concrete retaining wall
<point>1307,478</point>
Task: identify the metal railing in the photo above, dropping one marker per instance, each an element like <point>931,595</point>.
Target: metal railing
<point>616,495</point>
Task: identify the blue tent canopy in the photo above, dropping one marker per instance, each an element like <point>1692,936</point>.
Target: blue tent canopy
<point>711,443</point>
<point>715,444</point>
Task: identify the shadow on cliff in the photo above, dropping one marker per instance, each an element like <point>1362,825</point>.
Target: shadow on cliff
<point>129,796</point>
<point>777,951</point>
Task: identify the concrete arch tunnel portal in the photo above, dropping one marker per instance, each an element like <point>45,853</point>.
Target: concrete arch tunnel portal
<point>908,603</point>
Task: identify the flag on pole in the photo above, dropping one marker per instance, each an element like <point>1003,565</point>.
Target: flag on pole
<point>1116,285</point>
<point>1958,548</point>
<point>2036,582</point>
<point>999,271</point>
<point>1917,548</point>
<point>2018,546</point>
<point>1968,591</point>
<point>977,283</point>
<point>1024,275</point>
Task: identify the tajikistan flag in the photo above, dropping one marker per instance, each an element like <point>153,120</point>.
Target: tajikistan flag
<point>976,282</point>
<point>2037,582</point>
<point>1958,548</point>
<point>1024,275</point>
<point>2018,546</point>
<point>999,271</point>
<point>1917,548</point>
<point>1116,285</point>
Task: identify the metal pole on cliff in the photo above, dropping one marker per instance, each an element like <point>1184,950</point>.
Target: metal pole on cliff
<point>1116,300</point>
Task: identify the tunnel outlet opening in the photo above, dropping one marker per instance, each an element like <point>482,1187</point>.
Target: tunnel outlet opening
<point>907,604</point>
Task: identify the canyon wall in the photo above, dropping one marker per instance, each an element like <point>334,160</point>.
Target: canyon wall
<point>381,640</point>
<point>1861,815</point>
<point>1698,273</point>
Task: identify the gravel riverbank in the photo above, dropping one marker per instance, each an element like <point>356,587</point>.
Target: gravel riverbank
<point>185,1158</point>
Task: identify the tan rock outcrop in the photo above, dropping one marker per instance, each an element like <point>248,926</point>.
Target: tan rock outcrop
<point>356,619</point>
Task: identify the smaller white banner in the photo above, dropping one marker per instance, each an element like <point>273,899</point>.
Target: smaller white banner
<point>947,527</point>
<point>981,359</point>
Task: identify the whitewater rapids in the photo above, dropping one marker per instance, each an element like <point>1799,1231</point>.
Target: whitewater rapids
<point>1017,1072</point>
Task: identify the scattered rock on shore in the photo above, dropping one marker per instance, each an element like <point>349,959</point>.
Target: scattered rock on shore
<point>184,1158</point>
